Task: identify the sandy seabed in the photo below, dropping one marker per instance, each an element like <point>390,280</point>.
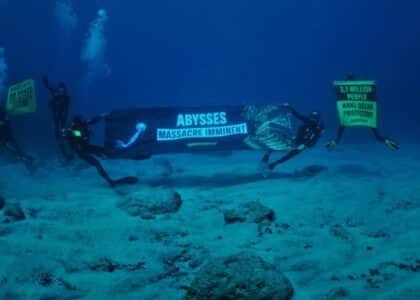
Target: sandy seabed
<point>348,223</point>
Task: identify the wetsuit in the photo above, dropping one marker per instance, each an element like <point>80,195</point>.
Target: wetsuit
<point>307,136</point>
<point>59,105</point>
<point>8,141</point>
<point>78,137</point>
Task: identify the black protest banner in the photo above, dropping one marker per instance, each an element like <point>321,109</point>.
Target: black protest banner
<point>136,133</point>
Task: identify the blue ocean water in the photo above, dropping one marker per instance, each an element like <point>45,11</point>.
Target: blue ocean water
<point>124,54</point>
<point>188,52</point>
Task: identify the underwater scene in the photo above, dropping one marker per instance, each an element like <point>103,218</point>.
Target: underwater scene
<point>209,150</point>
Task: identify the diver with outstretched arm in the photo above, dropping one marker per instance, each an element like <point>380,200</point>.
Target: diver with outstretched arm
<point>8,141</point>
<point>390,143</point>
<point>78,137</point>
<point>307,136</point>
<point>59,105</point>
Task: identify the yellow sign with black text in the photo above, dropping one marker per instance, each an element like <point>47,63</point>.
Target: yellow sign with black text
<point>356,103</point>
<point>21,98</point>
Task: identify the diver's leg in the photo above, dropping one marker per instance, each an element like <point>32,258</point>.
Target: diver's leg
<point>94,162</point>
<point>378,136</point>
<point>285,158</point>
<point>12,146</point>
<point>100,151</point>
<point>65,149</point>
<point>56,120</point>
<point>65,115</point>
<point>60,121</point>
<point>264,167</point>
<point>266,157</point>
<point>96,150</point>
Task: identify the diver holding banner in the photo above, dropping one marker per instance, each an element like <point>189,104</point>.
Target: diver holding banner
<point>307,136</point>
<point>141,132</point>
<point>136,132</point>
<point>78,136</point>
<point>357,106</point>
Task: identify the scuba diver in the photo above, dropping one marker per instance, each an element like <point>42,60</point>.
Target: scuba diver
<point>8,141</point>
<point>78,137</point>
<point>390,143</point>
<point>59,105</point>
<point>307,136</point>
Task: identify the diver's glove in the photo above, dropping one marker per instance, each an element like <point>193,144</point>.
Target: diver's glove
<point>65,132</point>
<point>330,144</point>
<point>393,145</point>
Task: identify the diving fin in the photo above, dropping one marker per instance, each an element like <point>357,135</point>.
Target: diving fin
<point>125,180</point>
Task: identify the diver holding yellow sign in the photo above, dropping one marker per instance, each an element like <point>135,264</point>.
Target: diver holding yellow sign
<point>357,106</point>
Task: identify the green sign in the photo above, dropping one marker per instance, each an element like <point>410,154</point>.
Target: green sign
<point>356,103</point>
<point>21,98</point>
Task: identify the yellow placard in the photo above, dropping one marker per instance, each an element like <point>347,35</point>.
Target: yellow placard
<point>21,98</point>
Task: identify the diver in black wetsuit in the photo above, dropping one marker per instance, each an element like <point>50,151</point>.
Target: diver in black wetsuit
<point>78,137</point>
<point>390,143</point>
<point>307,136</point>
<point>59,105</point>
<point>8,141</point>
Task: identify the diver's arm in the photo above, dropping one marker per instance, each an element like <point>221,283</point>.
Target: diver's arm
<point>285,158</point>
<point>390,143</point>
<point>332,143</point>
<point>47,84</point>
<point>295,113</point>
<point>96,119</point>
<point>340,132</point>
<point>378,136</point>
